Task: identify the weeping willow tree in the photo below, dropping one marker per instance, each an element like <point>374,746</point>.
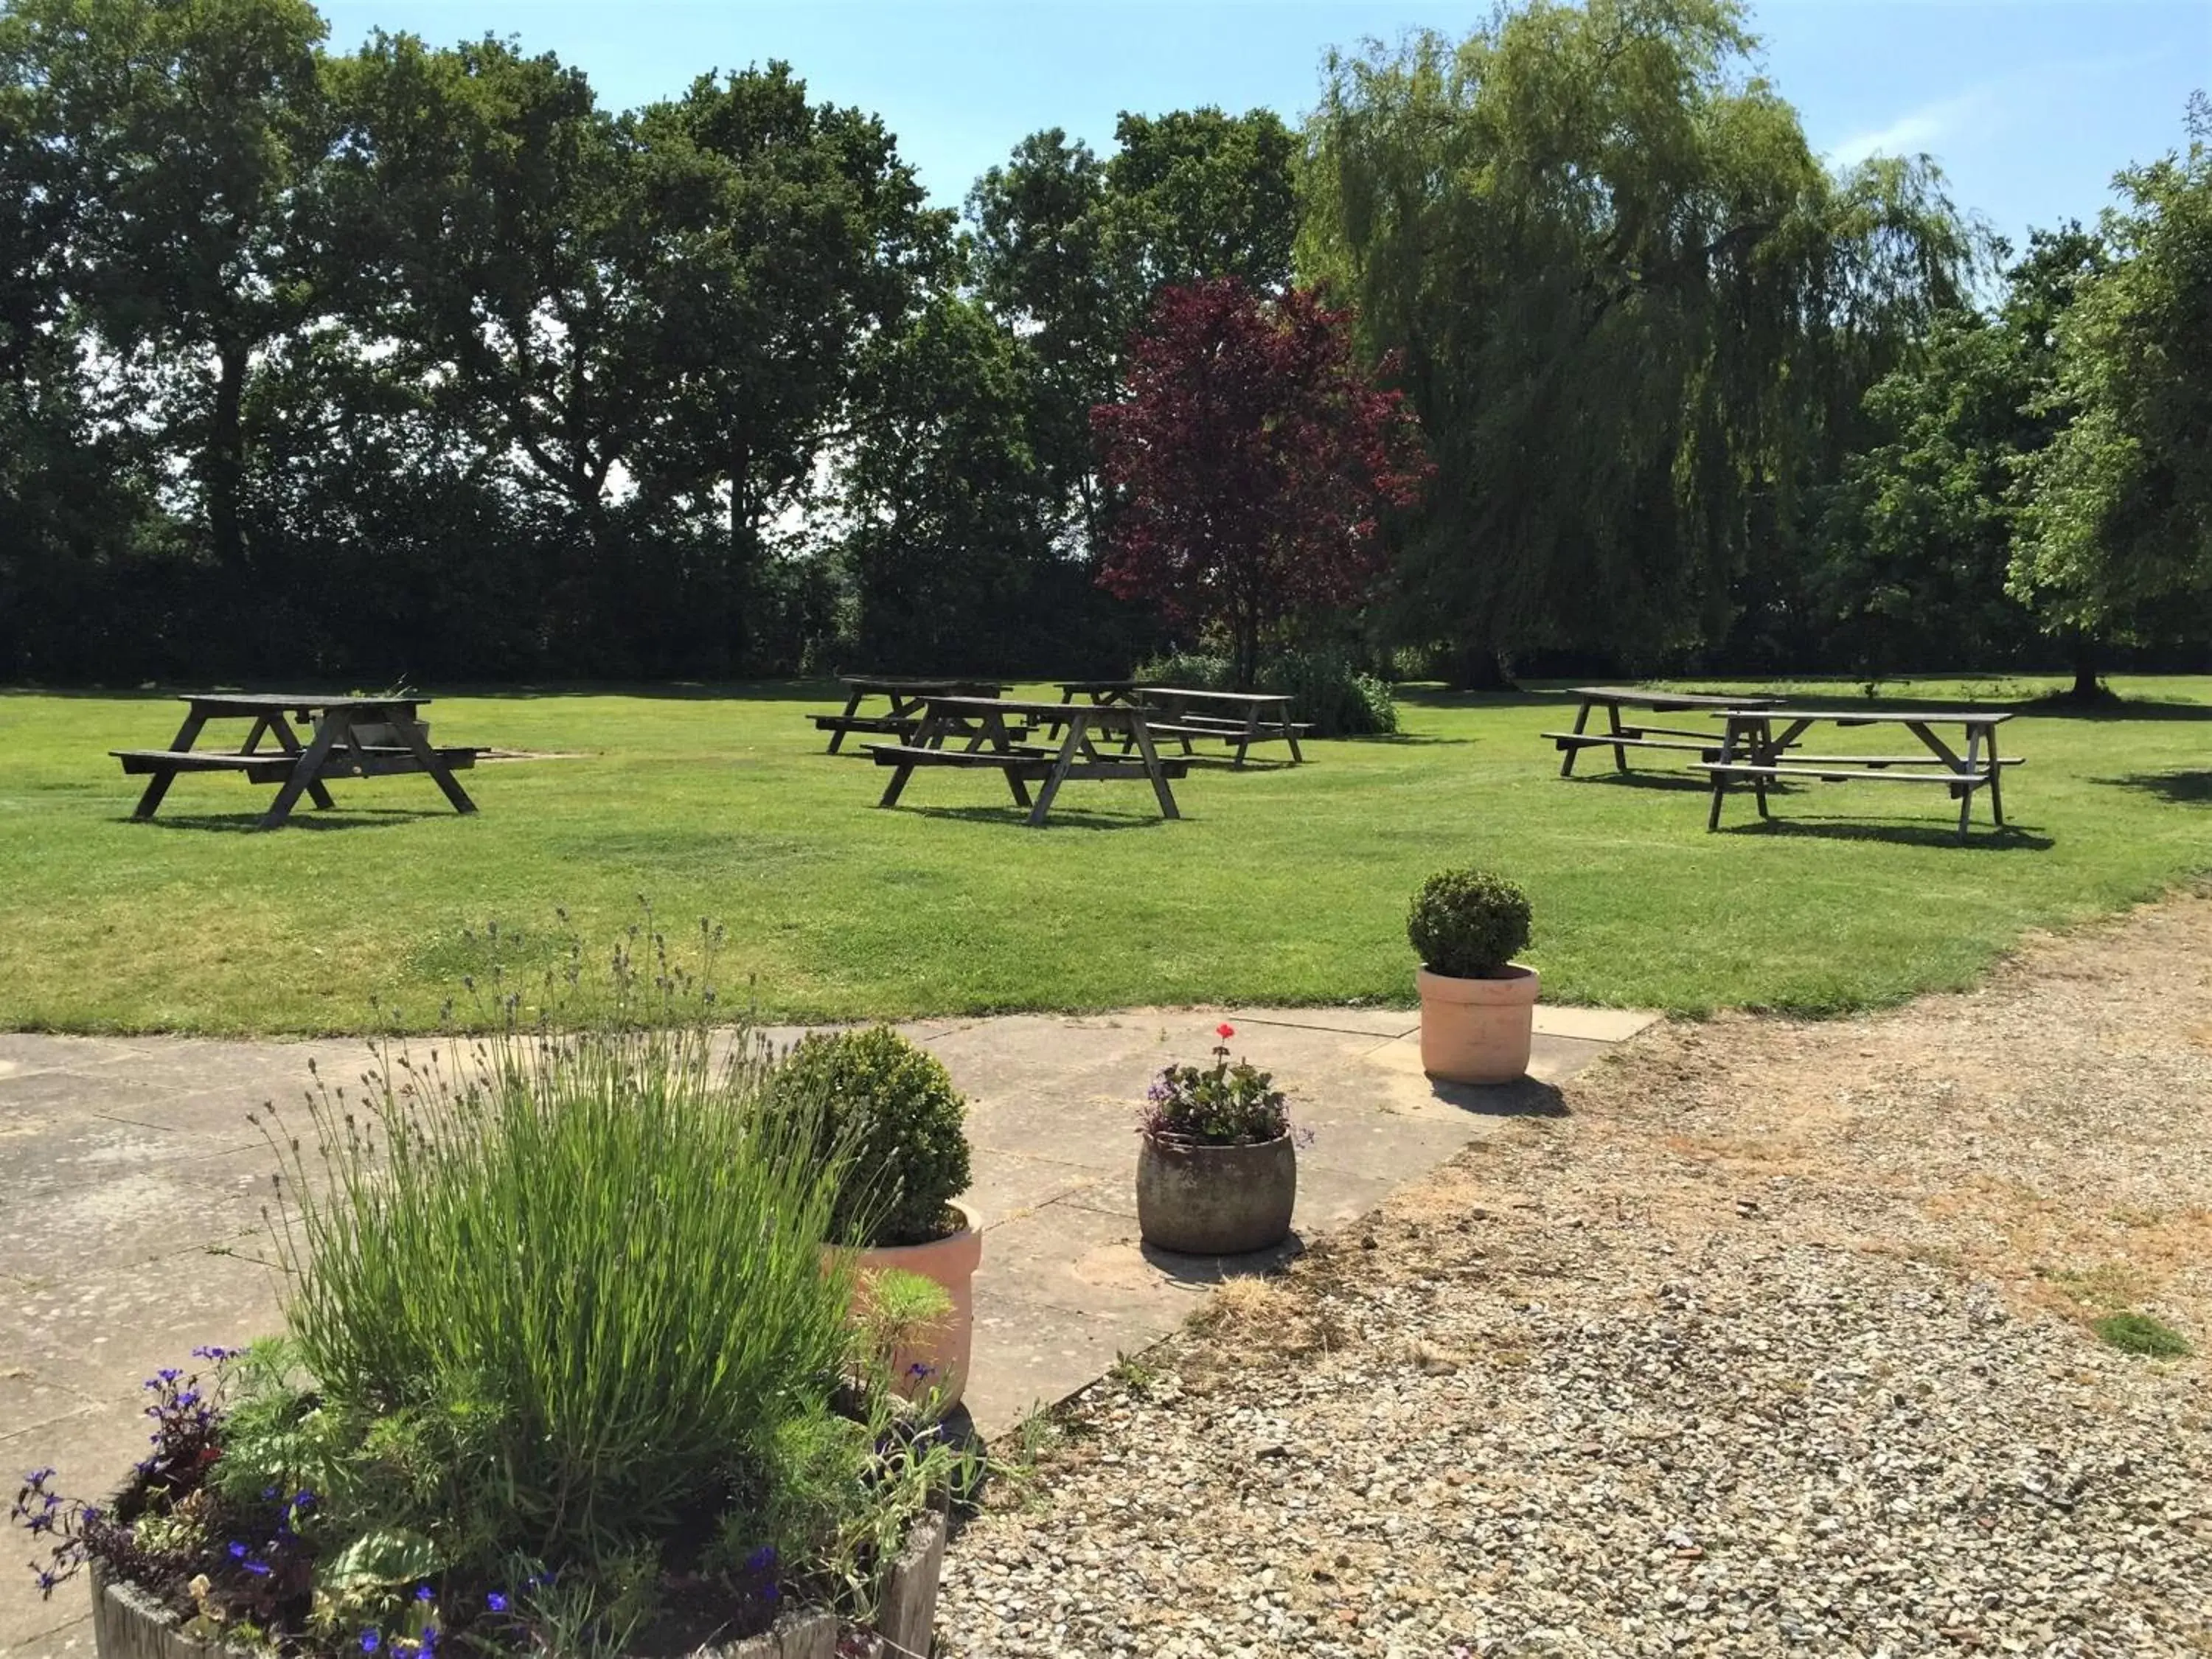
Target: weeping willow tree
<point>1634,309</point>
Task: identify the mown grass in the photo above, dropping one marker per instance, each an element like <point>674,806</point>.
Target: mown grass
<point>1279,885</point>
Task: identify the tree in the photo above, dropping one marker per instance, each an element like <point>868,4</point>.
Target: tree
<point>1070,251</point>
<point>1256,461</point>
<point>182,132</point>
<point>2115,540</point>
<point>1919,532</point>
<point>951,520</point>
<point>1630,306</point>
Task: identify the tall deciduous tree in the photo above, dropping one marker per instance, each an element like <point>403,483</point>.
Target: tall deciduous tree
<point>1255,460</point>
<point>2117,539</point>
<point>1071,250</point>
<point>180,133</point>
<point>1629,301</point>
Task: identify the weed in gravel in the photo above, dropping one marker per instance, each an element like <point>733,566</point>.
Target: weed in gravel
<point>2138,1332</point>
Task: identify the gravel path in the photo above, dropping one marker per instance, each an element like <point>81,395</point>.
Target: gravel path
<point>1773,1341</point>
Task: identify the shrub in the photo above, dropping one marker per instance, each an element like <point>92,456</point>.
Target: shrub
<point>2138,1332</point>
<point>1338,700</point>
<point>1219,1105</point>
<point>565,1298</point>
<point>887,1111</point>
<point>1468,924</point>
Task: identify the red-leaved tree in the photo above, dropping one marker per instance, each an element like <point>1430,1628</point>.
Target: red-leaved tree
<point>1252,458</point>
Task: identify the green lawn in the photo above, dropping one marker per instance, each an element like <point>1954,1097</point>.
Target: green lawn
<point>1279,885</point>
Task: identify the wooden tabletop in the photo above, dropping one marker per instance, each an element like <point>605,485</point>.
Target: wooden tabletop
<point>1644,697</point>
<point>1058,711</point>
<point>912,682</point>
<point>262,703</point>
<point>1216,696</point>
<point>1865,717</point>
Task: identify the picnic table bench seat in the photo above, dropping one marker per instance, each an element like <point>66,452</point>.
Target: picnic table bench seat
<point>1028,763</point>
<point>1878,772</point>
<point>275,765</point>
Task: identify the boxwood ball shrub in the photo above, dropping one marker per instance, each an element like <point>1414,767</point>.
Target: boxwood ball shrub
<point>887,1112</point>
<point>1468,924</point>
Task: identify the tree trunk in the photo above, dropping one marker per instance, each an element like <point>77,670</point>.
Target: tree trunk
<point>2085,688</point>
<point>1479,668</point>
<point>225,465</point>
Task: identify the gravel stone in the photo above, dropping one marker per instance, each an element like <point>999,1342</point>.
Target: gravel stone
<point>1773,1341</point>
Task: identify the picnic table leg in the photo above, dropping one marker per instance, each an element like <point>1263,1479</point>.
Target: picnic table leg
<point>994,725</point>
<point>1068,749</point>
<point>1161,792</point>
<point>1612,724</point>
<point>158,785</point>
<point>1720,778</point>
<point>1997,772</point>
<point>1582,719</point>
<point>289,741</point>
<point>851,708</point>
<point>1251,731</point>
<point>412,734</point>
<point>305,770</point>
<point>1290,737</point>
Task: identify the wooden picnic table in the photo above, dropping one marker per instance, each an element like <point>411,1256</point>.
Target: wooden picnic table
<point>1181,713</point>
<point>904,692</point>
<point>1642,734</point>
<point>995,727</point>
<point>351,737</point>
<point>1763,745</point>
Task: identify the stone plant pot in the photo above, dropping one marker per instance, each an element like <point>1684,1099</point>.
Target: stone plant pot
<point>951,1263</point>
<point>1476,1030</point>
<point>1216,1200</point>
<point>128,1624</point>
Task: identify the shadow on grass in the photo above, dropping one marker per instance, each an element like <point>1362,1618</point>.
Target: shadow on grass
<point>1681,782</point>
<point>2115,709</point>
<point>2176,788</point>
<point>1407,740</point>
<point>1525,1097</point>
<point>1981,837</point>
<point>1072,817</point>
<point>305,818</point>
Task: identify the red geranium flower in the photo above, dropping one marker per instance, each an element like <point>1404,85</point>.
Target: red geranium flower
<point>1224,1029</point>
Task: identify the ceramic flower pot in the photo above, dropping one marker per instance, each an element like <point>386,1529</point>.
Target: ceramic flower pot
<point>951,1263</point>
<point>1216,1200</point>
<point>1476,1030</point>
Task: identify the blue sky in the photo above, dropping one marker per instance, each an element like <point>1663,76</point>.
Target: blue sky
<point>2031,105</point>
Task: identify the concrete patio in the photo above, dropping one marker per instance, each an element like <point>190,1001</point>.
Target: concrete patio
<point>131,1188</point>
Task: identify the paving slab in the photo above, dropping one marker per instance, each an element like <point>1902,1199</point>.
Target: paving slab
<point>132,1188</point>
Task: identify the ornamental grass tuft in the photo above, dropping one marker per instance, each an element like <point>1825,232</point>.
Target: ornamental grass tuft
<point>583,1269</point>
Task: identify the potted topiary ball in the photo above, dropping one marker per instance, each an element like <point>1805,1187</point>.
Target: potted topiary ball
<point>1478,1004</point>
<point>889,1111</point>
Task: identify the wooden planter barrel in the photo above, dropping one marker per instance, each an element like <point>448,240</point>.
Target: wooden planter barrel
<point>128,1624</point>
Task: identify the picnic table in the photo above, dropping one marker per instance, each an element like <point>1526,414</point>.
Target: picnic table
<point>349,738</point>
<point>905,694</point>
<point>1752,750</point>
<point>1238,719</point>
<point>996,727</point>
<point>1643,734</point>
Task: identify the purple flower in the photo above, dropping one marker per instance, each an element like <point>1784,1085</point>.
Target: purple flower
<point>422,1592</point>
<point>370,1641</point>
<point>259,1569</point>
<point>496,1602</point>
<point>762,1559</point>
<point>238,1552</point>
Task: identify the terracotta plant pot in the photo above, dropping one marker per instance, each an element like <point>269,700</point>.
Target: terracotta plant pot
<point>952,1262</point>
<point>1216,1200</point>
<point>1476,1030</point>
